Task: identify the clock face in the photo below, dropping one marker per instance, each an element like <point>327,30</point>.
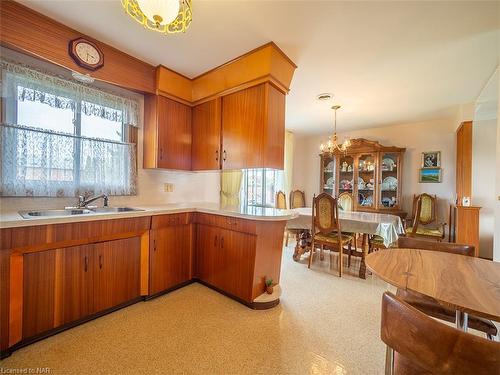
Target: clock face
<point>87,53</point>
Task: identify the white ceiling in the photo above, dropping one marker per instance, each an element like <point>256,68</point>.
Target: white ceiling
<point>386,62</point>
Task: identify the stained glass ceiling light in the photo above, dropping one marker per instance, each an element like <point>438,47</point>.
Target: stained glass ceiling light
<point>164,16</point>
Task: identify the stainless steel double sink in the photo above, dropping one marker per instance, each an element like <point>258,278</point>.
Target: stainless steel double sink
<point>32,214</point>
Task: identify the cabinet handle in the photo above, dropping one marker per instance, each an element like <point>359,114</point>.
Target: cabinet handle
<point>216,155</point>
<point>224,155</point>
<point>215,241</point>
<point>86,263</point>
<point>222,242</point>
<point>154,245</point>
<point>100,261</point>
<point>161,153</point>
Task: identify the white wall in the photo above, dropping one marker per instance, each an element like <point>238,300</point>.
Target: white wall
<point>436,135</point>
<point>484,139</point>
<point>188,187</point>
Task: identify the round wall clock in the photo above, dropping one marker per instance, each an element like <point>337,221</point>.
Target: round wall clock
<point>86,54</point>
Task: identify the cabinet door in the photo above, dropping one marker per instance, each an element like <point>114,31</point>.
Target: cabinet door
<point>207,246</point>
<point>174,134</point>
<point>206,128</point>
<point>38,292</point>
<point>234,263</point>
<point>244,120</point>
<point>76,283</point>
<point>170,257</point>
<point>116,267</point>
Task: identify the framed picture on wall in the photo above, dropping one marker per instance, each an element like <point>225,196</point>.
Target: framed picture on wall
<point>432,175</point>
<point>431,159</point>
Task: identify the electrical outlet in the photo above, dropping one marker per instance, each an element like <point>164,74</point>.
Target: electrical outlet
<point>168,187</point>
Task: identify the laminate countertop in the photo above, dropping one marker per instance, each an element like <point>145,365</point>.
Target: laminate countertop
<point>14,219</point>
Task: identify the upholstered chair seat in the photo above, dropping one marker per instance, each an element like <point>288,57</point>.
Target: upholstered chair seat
<point>333,238</point>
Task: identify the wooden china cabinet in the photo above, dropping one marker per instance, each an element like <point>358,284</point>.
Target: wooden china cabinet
<point>369,172</point>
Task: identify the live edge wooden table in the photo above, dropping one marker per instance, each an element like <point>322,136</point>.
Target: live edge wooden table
<point>466,284</point>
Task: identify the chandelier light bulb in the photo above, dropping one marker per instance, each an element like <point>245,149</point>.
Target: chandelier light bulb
<point>162,12</point>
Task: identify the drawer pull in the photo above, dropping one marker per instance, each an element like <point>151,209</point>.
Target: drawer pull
<point>86,263</point>
<point>224,155</point>
<point>216,155</point>
<point>222,242</point>
<point>215,241</point>
<point>100,262</point>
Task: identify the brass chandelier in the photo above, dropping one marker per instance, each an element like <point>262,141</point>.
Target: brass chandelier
<point>332,145</point>
<point>164,16</point>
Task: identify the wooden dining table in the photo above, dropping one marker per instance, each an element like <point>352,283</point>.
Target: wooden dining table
<point>387,226</point>
<point>468,285</point>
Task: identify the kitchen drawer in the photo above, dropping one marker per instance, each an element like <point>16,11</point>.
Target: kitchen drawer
<point>227,222</point>
<point>161,221</point>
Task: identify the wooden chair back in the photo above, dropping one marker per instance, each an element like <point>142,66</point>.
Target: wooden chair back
<point>325,217</point>
<point>346,202</point>
<point>455,248</point>
<point>424,209</point>
<point>297,199</point>
<point>422,344</point>
<point>280,200</point>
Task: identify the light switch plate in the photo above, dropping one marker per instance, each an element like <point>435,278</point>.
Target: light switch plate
<point>168,187</point>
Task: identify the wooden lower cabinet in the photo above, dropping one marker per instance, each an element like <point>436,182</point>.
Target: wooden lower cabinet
<point>64,285</point>
<point>170,256</point>
<point>225,260</point>
<point>38,292</point>
<point>116,272</point>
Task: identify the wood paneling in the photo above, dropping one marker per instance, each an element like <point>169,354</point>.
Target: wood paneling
<point>28,31</point>
<point>39,292</point>
<point>170,257</point>
<point>16,298</point>
<point>243,128</point>
<point>76,281</point>
<point>5,239</point>
<point>227,222</point>
<point>265,63</point>
<point>269,243</point>
<point>116,272</point>
<point>464,161</point>
<point>206,130</point>
<point>173,85</point>
<point>167,140</point>
<point>467,226</point>
<point>274,149</point>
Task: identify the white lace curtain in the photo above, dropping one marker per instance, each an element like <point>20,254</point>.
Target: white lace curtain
<point>22,83</point>
<point>45,163</point>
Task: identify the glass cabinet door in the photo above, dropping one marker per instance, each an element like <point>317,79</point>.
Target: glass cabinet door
<point>346,174</point>
<point>389,180</point>
<point>366,180</point>
<point>328,174</point>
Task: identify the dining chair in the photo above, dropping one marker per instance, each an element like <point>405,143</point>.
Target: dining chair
<point>326,229</point>
<point>297,199</point>
<point>346,203</point>
<point>280,200</point>
<point>429,305</point>
<point>423,221</point>
<point>418,344</point>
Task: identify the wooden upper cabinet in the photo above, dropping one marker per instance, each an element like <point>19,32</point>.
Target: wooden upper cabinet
<point>253,128</point>
<point>206,130</point>
<point>167,133</point>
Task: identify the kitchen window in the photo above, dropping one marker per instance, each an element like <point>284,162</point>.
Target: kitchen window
<point>260,187</point>
<point>60,138</point>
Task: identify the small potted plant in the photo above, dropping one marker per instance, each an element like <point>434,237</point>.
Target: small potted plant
<point>269,286</point>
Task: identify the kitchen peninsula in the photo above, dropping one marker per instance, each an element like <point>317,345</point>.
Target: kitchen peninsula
<point>63,271</point>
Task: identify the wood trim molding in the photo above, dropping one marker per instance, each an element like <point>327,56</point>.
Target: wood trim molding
<point>145,264</point>
<point>464,161</point>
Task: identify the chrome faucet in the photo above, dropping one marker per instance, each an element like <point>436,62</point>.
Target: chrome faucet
<point>83,202</point>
